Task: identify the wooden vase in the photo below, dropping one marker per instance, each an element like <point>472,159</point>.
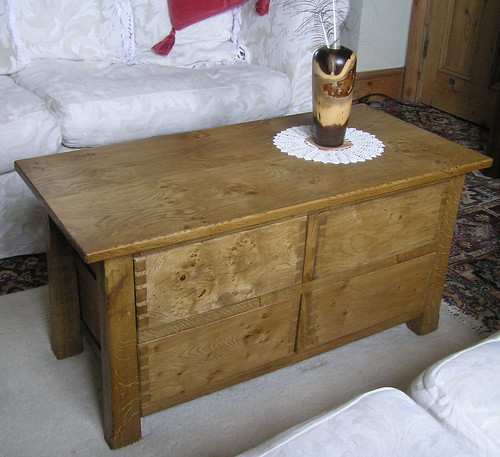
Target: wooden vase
<point>334,75</point>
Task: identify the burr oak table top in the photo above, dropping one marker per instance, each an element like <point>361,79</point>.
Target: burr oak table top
<point>141,195</point>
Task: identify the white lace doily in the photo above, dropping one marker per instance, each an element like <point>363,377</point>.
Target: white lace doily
<point>293,141</point>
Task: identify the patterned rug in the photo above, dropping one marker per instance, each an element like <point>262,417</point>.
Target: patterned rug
<point>428,118</point>
<point>22,272</point>
<point>472,287</point>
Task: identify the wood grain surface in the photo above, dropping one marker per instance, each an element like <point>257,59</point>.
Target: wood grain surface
<point>378,228</point>
<point>64,307</point>
<point>190,360</point>
<point>153,193</point>
<point>429,320</point>
<point>120,373</point>
<point>366,301</point>
<point>193,279</point>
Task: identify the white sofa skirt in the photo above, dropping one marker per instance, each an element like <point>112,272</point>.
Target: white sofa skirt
<point>21,216</point>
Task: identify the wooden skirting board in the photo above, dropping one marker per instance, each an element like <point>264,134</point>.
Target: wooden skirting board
<point>388,82</point>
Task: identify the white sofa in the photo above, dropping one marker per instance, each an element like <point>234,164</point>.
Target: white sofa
<point>452,410</point>
<point>462,392</point>
<point>80,73</point>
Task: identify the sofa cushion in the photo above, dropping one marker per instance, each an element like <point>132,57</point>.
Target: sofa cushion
<point>10,61</point>
<point>211,40</point>
<point>73,29</point>
<point>27,127</point>
<point>99,103</point>
<point>381,423</point>
<point>463,392</point>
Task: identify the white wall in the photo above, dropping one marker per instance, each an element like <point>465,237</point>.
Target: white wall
<point>377,30</point>
<point>350,35</point>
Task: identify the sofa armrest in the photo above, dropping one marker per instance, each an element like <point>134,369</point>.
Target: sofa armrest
<point>271,41</point>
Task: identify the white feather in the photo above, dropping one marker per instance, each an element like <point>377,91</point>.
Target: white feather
<point>321,19</point>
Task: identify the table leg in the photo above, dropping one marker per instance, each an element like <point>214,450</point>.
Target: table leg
<point>429,321</point>
<point>120,372</point>
<point>64,307</point>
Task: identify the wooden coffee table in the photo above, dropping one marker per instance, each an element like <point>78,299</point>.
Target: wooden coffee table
<point>199,260</point>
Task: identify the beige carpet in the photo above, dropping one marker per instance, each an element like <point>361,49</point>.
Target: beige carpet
<point>52,408</point>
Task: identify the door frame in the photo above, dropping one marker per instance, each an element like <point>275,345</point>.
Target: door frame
<point>417,39</point>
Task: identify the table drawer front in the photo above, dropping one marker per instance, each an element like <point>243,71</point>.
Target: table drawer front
<point>395,294</point>
<point>180,364</point>
<point>193,279</point>
<point>355,235</point>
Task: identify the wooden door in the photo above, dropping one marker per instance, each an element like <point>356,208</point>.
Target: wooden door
<point>453,57</point>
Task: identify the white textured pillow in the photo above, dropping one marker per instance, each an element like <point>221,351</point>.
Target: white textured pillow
<point>10,61</point>
<point>211,40</point>
<point>73,29</point>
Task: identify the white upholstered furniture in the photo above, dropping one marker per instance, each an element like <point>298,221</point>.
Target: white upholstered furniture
<point>463,393</point>
<point>380,423</point>
<point>80,73</point>
<point>454,411</point>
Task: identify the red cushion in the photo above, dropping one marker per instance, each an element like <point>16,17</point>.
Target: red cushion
<point>187,12</point>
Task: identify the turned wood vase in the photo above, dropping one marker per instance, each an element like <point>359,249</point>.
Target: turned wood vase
<point>334,75</point>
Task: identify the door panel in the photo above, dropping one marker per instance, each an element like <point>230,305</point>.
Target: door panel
<point>461,62</point>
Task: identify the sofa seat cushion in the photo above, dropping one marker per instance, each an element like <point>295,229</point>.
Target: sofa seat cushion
<point>27,127</point>
<point>381,423</point>
<point>100,103</point>
<point>463,392</point>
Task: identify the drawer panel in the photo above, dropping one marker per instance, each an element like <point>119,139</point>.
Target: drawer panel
<point>363,233</point>
<point>194,279</point>
<point>183,363</point>
<point>395,294</point>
